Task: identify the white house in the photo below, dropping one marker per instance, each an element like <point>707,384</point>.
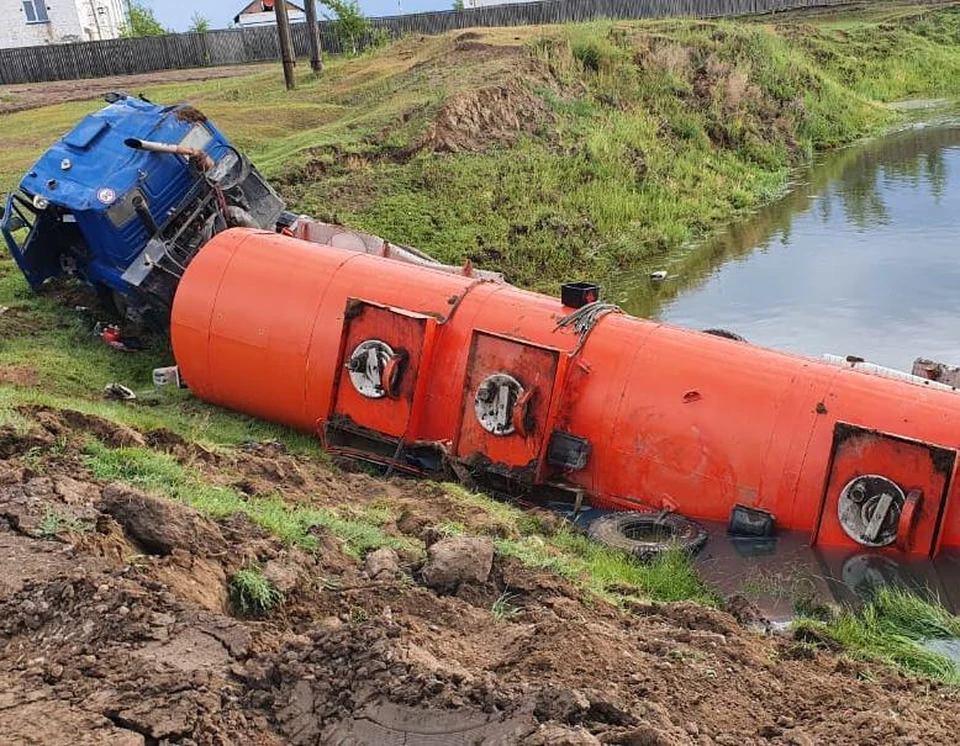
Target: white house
<point>262,13</point>
<point>30,22</point>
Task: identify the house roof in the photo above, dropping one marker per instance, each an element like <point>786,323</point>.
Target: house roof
<point>261,6</point>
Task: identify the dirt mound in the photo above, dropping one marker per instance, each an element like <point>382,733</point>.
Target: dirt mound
<point>101,643</point>
<point>160,526</point>
<point>167,441</point>
<point>473,121</point>
<point>59,422</point>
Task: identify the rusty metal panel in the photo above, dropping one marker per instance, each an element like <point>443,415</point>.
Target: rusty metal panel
<point>884,491</point>
<point>380,361</point>
<point>506,403</point>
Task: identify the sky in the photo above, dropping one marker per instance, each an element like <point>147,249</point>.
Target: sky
<point>176,14</point>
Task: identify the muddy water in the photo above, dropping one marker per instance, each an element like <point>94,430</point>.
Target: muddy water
<point>862,257</point>
<point>785,574</point>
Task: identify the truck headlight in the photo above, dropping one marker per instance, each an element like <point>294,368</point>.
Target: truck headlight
<point>41,203</point>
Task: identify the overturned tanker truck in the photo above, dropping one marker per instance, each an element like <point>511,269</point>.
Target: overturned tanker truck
<point>390,357</point>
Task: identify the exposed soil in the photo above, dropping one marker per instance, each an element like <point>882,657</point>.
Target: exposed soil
<point>472,121</point>
<point>34,95</point>
<point>117,627</point>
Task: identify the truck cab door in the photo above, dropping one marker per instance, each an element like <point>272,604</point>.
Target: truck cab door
<point>29,237</point>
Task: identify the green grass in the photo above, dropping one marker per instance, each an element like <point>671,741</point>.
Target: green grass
<point>292,523</point>
<point>70,367</point>
<point>610,574</point>
<point>52,524</point>
<point>605,572</point>
<point>505,518</point>
<point>253,593</point>
<point>890,628</point>
<point>657,134</point>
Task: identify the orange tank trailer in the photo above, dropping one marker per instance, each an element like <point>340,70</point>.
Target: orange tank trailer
<point>420,369</point>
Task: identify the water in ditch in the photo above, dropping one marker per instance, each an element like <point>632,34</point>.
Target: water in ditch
<point>862,258</point>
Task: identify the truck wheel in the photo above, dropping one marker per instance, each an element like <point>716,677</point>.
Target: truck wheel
<point>648,535</point>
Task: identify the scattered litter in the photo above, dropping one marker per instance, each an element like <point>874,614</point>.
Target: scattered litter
<point>659,275</point>
<point>111,334</point>
<point>169,375</point>
<point>118,392</point>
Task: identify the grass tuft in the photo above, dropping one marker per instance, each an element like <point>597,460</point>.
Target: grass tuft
<point>53,524</point>
<point>612,574</point>
<point>253,592</point>
<point>503,609</point>
<point>892,628</point>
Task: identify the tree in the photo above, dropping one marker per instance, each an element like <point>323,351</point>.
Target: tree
<point>200,25</point>
<point>350,25</point>
<point>141,21</point>
<point>458,4</point>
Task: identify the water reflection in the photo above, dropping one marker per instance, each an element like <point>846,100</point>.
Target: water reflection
<point>778,573</point>
<point>860,258</point>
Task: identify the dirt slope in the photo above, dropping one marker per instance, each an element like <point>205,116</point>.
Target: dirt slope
<point>125,633</point>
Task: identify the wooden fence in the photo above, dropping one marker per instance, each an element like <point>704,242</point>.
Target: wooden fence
<point>242,45</point>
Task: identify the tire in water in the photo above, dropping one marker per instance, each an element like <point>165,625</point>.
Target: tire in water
<point>648,535</point>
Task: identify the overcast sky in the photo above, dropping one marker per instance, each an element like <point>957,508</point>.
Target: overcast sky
<point>176,15</point>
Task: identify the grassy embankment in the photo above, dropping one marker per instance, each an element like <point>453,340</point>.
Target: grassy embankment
<point>585,149</point>
<point>579,150</point>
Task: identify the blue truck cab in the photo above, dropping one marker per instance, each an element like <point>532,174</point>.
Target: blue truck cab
<point>127,198</point>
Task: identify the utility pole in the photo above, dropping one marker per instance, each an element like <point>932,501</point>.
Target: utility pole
<point>286,43</point>
<point>313,38</point>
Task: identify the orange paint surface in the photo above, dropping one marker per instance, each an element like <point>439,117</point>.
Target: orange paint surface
<point>267,324</point>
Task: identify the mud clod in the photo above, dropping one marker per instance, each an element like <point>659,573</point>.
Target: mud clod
<point>159,526</point>
<point>382,564</point>
<point>62,422</point>
<point>457,560</point>
<point>561,704</point>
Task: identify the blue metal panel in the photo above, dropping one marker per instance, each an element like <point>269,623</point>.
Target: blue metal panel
<point>90,169</point>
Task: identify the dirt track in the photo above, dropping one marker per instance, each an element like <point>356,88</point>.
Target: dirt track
<point>34,95</point>
<point>125,633</point>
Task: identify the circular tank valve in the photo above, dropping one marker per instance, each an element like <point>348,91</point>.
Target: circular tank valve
<point>497,396</point>
<point>367,365</point>
<point>869,510</point>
